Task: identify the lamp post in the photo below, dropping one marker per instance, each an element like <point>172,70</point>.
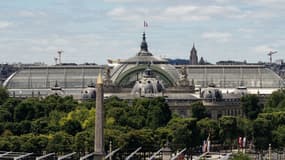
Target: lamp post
<point>269,152</point>
<point>110,149</point>
<point>166,152</point>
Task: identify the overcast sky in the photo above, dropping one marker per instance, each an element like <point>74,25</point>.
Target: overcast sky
<point>97,30</point>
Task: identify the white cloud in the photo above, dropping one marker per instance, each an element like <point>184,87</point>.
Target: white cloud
<point>126,14</point>
<point>263,49</point>
<point>191,12</point>
<point>217,36</point>
<point>27,13</point>
<point>5,24</point>
<point>122,1</point>
<point>129,1</point>
<point>246,30</point>
<point>174,13</point>
<point>183,13</point>
<point>247,33</point>
<point>266,2</point>
<point>45,47</point>
<point>279,43</point>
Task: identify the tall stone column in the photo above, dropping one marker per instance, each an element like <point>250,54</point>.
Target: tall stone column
<point>99,122</point>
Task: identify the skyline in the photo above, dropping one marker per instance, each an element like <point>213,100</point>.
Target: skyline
<point>93,32</point>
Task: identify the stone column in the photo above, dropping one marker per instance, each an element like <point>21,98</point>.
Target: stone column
<point>99,122</point>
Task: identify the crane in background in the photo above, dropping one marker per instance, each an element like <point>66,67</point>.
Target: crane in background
<point>59,56</point>
<point>270,55</point>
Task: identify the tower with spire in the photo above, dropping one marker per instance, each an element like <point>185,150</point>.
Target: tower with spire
<point>193,56</point>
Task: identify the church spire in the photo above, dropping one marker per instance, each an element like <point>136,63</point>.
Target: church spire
<point>193,56</point>
<point>193,48</point>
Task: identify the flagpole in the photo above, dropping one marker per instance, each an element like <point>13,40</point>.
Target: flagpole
<point>144,26</point>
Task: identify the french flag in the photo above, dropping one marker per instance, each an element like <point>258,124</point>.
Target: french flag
<point>145,24</point>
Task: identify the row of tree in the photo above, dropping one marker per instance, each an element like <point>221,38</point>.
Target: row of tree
<point>62,124</point>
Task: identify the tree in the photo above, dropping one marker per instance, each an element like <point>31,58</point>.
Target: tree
<point>72,127</point>
<point>208,127</point>
<point>84,141</point>
<point>5,116</point>
<point>24,111</point>
<point>262,127</point>
<point>250,106</point>
<point>1,128</point>
<point>199,111</point>
<point>4,95</point>
<point>61,142</point>
<point>24,127</point>
<point>41,109</point>
<point>5,144</point>
<point>10,105</point>
<point>244,127</point>
<point>40,126</point>
<point>88,104</point>
<point>62,104</point>
<point>18,128</point>
<point>184,132</point>
<point>15,142</point>
<point>275,118</point>
<point>55,117</point>
<point>162,135</point>
<point>11,127</point>
<point>118,114</point>
<point>158,113</point>
<point>279,136</point>
<point>274,100</point>
<point>281,105</point>
<point>140,138</point>
<point>39,143</point>
<point>117,135</point>
<point>114,102</point>
<point>228,129</point>
<point>81,114</point>
<point>137,113</point>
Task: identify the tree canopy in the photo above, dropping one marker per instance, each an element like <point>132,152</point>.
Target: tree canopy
<point>250,106</point>
<point>62,124</point>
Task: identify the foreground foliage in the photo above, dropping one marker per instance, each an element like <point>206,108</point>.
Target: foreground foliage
<point>241,156</point>
<point>62,124</point>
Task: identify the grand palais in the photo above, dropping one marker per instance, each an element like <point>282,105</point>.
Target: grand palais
<point>219,87</point>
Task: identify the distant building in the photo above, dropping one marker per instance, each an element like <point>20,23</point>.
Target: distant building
<point>231,62</point>
<point>193,56</point>
<point>5,71</point>
<point>145,75</point>
<point>282,71</point>
<point>202,61</point>
<point>278,68</point>
<point>178,61</point>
